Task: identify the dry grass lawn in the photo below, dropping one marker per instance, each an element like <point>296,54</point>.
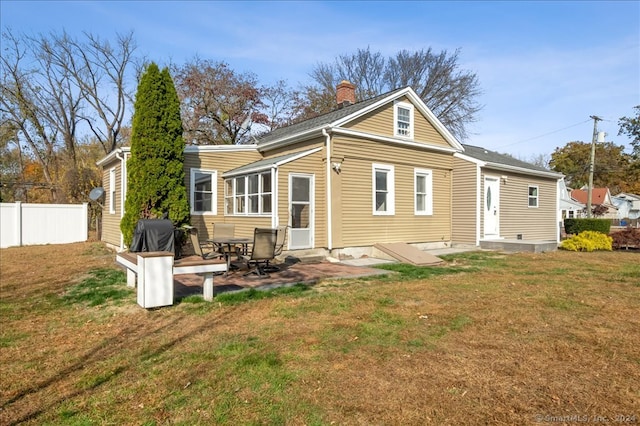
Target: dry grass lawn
<point>500,340</point>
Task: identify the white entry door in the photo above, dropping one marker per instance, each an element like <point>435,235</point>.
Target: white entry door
<point>491,207</point>
<point>301,211</point>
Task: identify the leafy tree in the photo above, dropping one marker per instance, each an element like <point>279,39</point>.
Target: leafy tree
<point>156,167</point>
<point>217,103</point>
<point>437,78</point>
<point>630,126</point>
<point>610,170</point>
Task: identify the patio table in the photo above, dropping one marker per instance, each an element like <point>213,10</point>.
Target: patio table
<point>229,242</point>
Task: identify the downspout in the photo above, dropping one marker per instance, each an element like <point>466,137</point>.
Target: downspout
<point>479,205</point>
<point>329,200</point>
<point>558,213</point>
<point>123,187</point>
<point>274,208</point>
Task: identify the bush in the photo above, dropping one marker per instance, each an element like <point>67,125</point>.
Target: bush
<point>629,237</point>
<point>576,226</point>
<point>588,241</point>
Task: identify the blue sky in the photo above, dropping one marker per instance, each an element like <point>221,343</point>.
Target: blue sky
<point>544,66</point>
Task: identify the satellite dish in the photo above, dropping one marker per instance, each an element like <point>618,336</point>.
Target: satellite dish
<point>96,193</point>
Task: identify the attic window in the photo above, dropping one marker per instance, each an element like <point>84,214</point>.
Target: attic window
<point>403,120</point>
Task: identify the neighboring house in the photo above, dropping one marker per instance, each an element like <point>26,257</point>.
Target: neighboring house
<point>499,197</point>
<point>569,208</point>
<point>628,205</point>
<point>376,171</point>
<point>599,197</point>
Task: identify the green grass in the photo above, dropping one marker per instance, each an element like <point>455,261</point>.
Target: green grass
<point>456,264</point>
<point>315,355</point>
<point>10,339</point>
<point>103,285</point>
<point>243,296</point>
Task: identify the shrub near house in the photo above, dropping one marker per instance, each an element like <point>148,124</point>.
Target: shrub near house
<point>626,238</point>
<point>588,241</point>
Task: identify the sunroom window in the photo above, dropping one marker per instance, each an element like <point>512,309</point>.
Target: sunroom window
<point>248,194</point>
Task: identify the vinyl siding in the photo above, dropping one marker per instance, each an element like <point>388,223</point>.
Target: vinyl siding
<point>380,122</point>
<point>358,225</point>
<point>221,162</point>
<point>313,164</point>
<point>516,217</point>
<point>465,209</point>
<point>111,222</point>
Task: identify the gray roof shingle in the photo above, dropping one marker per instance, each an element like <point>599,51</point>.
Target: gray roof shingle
<point>488,156</point>
<point>321,120</point>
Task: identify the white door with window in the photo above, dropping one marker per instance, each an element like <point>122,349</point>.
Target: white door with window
<point>301,211</point>
<point>491,207</point>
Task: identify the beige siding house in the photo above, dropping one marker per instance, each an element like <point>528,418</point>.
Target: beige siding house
<point>376,171</point>
<point>382,170</point>
<point>497,197</point>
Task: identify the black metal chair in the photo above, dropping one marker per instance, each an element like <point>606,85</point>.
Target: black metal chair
<point>262,252</point>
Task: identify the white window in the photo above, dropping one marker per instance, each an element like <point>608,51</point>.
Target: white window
<point>203,192</point>
<point>383,190</point>
<point>248,194</point>
<point>533,196</point>
<point>112,191</point>
<point>403,120</point>
<point>423,185</point>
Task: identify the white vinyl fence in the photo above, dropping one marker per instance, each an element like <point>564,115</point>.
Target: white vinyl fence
<point>24,224</point>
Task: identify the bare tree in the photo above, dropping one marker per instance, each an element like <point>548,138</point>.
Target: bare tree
<point>447,90</point>
<point>53,83</point>
<point>100,72</point>
<point>364,68</point>
<point>217,103</point>
<point>278,105</point>
<point>24,107</point>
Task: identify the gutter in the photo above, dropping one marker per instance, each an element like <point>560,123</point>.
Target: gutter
<point>329,194</point>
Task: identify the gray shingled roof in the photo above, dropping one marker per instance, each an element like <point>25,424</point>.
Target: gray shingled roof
<point>320,120</point>
<point>266,163</point>
<point>487,156</point>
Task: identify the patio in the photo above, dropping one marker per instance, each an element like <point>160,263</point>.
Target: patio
<point>289,274</point>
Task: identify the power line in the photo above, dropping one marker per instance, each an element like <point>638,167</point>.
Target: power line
<point>546,134</point>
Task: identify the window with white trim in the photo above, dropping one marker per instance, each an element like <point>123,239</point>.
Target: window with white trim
<point>383,189</point>
<point>423,185</point>
<point>403,120</point>
<point>203,191</point>
<point>112,191</point>
<point>533,196</point>
<point>248,194</point>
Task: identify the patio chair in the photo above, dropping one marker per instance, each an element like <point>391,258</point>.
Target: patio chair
<point>198,246</point>
<point>263,251</point>
<point>280,242</point>
<point>224,230</point>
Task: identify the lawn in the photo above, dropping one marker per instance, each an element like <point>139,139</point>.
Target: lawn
<point>488,338</point>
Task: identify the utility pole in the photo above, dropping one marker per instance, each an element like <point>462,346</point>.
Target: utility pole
<point>592,163</point>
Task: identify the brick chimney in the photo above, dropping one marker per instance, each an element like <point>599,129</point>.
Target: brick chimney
<point>345,94</point>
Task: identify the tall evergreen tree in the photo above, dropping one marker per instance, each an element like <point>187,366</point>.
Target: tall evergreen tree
<point>156,168</point>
